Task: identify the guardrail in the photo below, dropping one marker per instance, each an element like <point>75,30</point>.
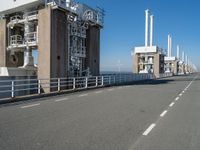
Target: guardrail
<point>24,87</point>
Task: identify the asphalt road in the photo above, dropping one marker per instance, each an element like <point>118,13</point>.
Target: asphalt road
<point>158,115</point>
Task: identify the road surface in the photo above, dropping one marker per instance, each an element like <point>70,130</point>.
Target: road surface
<point>158,115</point>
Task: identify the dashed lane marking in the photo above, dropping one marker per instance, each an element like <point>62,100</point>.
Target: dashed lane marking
<point>171,104</point>
<point>97,92</point>
<point>32,105</point>
<point>59,100</point>
<point>148,130</point>
<point>177,99</point>
<point>83,95</point>
<point>163,113</point>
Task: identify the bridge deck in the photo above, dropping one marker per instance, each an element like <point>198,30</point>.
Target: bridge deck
<point>153,116</point>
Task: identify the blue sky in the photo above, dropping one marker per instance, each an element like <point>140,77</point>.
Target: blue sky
<point>124,28</point>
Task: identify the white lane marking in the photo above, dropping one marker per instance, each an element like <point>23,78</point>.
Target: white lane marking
<point>59,100</point>
<point>83,95</point>
<point>119,87</point>
<point>148,130</point>
<point>110,89</point>
<point>163,113</point>
<point>180,94</point>
<point>171,104</point>
<point>97,92</point>
<point>183,91</point>
<point>128,86</point>
<point>32,105</point>
<point>177,99</point>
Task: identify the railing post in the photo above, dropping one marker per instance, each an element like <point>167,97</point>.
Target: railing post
<point>86,82</point>
<point>96,81</point>
<point>74,83</point>
<point>58,84</point>
<point>102,80</point>
<point>39,87</point>
<point>13,89</point>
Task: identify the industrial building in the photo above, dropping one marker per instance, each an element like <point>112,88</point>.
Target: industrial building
<point>148,58</point>
<point>171,62</point>
<point>66,35</point>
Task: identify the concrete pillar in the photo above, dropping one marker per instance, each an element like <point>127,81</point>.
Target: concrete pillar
<point>3,42</point>
<point>158,64</point>
<point>136,63</point>
<point>52,44</point>
<point>93,50</point>
<point>175,68</point>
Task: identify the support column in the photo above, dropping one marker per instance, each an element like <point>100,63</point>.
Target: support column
<point>3,42</point>
<point>52,47</point>
<point>136,63</point>
<point>93,50</point>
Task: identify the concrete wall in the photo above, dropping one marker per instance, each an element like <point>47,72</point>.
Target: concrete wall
<point>158,64</point>
<point>52,47</point>
<point>3,43</point>
<point>59,44</point>
<point>93,50</point>
<point>175,68</point>
<point>135,63</point>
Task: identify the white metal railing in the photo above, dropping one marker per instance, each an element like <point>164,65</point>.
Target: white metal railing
<point>16,40</point>
<point>14,88</point>
<point>60,3</point>
<point>31,37</point>
<point>164,75</point>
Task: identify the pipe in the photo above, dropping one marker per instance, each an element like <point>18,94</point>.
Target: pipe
<point>168,48</point>
<point>186,60</point>
<point>178,51</point>
<point>183,57</point>
<point>151,29</point>
<point>146,27</point>
<point>68,3</point>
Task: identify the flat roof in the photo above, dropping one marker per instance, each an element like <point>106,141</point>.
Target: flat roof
<point>11,6</point>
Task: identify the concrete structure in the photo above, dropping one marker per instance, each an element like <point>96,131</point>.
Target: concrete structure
<point>171,62</point>
<point>182,64</point>
<point>66,35</point>
<point>148,58</point>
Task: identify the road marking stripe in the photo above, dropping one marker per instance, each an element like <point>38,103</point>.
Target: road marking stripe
<point>128,86</point>
<point>148,130</point>
<point>163,113</point>
<point>98,92</point>
<point>83,95</point>
<point>32,105</point>
<point>171,104</point>
<point>177,99</point>
<point>180,94</point>
<point>110,89</point>
<point>59,100</point>
<point>183,91</point>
